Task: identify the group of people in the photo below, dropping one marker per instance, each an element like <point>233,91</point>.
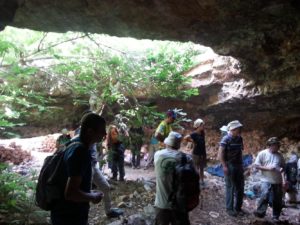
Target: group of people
<point>81,169</point>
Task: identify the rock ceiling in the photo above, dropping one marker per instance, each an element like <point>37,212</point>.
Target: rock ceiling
<point>263,35</point>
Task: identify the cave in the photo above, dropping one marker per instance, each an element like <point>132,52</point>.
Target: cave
<point>253,77</point>
<point>262,35</point>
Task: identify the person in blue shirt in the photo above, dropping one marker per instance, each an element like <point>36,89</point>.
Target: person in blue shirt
<point>230,155</point>
<point>73,208</point>
<point>101,182</point>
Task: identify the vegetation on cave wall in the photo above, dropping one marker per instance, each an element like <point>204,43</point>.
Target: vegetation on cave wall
<point>37,69</point>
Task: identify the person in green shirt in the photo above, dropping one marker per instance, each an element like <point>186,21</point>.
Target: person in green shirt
<point>164,128</point>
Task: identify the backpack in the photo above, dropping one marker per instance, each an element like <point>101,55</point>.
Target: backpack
<point>291,173</point>
<point>52,180</point>
<point>185,196</point>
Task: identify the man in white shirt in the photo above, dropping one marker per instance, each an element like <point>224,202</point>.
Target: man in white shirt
<point>271,163</point>
<point>165,162</point>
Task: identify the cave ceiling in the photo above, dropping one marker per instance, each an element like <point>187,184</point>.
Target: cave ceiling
<point>263,35</point>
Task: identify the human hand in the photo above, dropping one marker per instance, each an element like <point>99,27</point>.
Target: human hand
<point>225,169</point>
<point>96,197</point>
<point>271,168</point>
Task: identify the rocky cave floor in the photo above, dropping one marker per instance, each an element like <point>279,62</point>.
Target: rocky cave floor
<point>136,196</point>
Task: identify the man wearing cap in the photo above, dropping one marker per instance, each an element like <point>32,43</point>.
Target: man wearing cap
<point>230,155</point>
<point>164,128</point>
<point>271,163</point>
<point>165,162</point>
<point>199,151</point>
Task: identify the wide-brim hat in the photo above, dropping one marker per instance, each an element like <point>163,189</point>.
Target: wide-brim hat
<point>224,128</point>
<point>173,140</point>
<point>234,124</point>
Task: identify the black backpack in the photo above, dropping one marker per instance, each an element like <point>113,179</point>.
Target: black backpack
<point>185,196</point>
<point>52,180</point>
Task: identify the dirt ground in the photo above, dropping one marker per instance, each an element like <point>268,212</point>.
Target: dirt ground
<point>209,212</point>
<point>133,197</point>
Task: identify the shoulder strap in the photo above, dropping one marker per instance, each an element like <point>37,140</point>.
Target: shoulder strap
<point>54,173</point>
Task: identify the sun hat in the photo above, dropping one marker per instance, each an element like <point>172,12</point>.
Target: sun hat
<point>234,124</point>
<point>198,123</point>
<point>273,141</point>
<point>224,128</point>
<point>173,140</point>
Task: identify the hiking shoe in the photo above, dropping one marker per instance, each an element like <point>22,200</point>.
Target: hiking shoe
<point>114,178</point>
<point>259,215</point>
<point>202,185</point>
<point>231,213</point>
<point>240,212</point>
<point>275,219</point>
<point>115,212</point>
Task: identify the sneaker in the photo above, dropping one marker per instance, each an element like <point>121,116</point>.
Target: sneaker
<point>122,179</point>
<point>259,215</point>
<point>115,212</point>
<point>231,213</point>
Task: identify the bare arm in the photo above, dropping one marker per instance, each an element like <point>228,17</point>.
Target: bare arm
<point>283,176</point>
<point>187,138</point>
<point>221,157</point>
<point>159,137</point>
<point>264,168</point>
<point>73,192</point>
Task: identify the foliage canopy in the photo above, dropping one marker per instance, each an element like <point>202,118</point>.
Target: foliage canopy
<point>36,68</point>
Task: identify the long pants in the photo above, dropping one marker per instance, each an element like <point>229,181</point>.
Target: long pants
<point>100,181</point>
<point>75,217</point>
<point>136,156</point>
<point>271,195</point>
<point>152,149</point>
<point>168,216</point>
<point>234,187</point>
<point>117,166</point>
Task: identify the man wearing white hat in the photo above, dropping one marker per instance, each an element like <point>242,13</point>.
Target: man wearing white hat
<point>165,162</point>
<point>230,155</point>
<point>199,151</point>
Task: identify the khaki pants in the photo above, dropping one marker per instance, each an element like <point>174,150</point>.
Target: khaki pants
<point>152,149</point>
<point>100,181</point>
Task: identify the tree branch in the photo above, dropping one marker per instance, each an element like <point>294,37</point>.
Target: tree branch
<point>54,45</point>
<point>106,46</point>
<point>41,41</point>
